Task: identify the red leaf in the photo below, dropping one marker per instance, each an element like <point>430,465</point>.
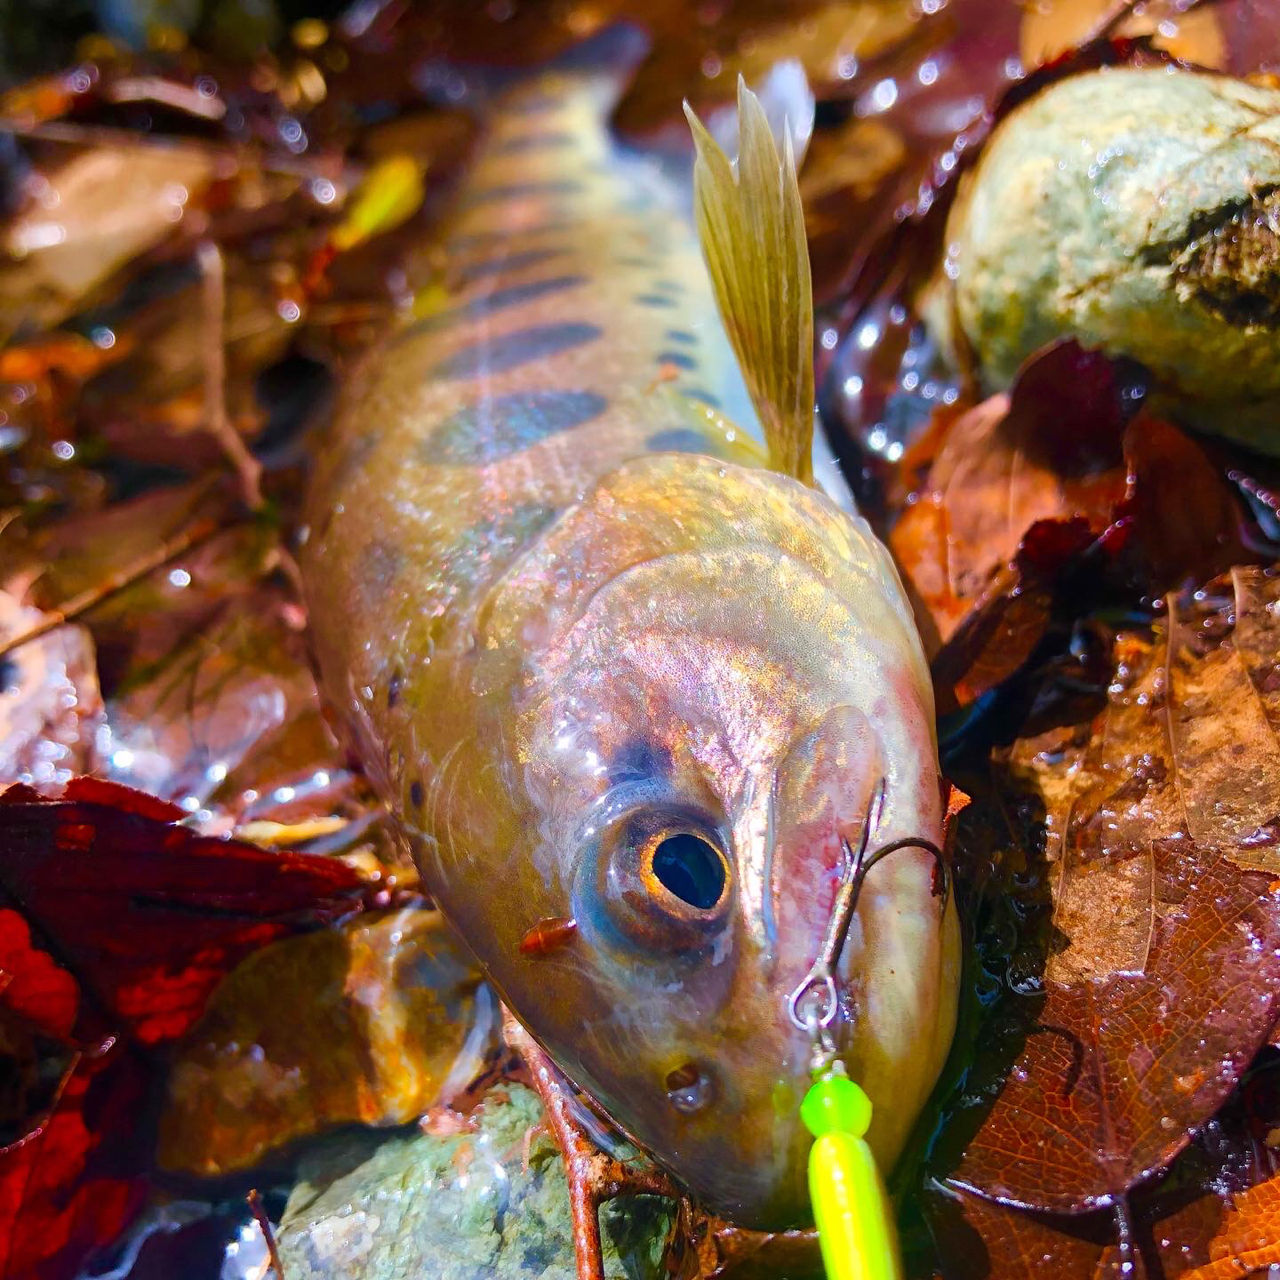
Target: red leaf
<point>151,913</point>
<point>31,985</point>
<point>117,925</point>
<point>55,1207</point>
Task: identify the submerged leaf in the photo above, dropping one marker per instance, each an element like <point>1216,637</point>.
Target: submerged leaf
<point>752,230</point>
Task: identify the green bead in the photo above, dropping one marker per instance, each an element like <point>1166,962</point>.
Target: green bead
<point>835,1104</point>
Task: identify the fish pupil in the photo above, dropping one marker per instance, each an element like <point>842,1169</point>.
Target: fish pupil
<point>690,868</point>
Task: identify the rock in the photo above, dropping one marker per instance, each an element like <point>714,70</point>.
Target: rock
<point>1133,209</point>
<point>373,1022</point>
<point>458,1205</point>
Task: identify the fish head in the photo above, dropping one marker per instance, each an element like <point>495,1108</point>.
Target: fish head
<point>706,728</point>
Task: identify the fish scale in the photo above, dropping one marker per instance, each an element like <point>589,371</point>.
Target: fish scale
<point>578,632</point>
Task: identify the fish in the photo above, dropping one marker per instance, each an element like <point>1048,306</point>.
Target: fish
<point>627,677</point>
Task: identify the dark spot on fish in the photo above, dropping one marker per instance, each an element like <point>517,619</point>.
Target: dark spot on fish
<point>654,300</point>
<point>506,351</point>
<point>393,690</point>
<point>489,302</point>
<point>416,794</point>
<point>521,190</point>
<point>544,140</point>
<point>669,286</point>
<point>484,548</point>
<point>635,262</point>
<point>639,760</point>
<point>498,426</point>
<point>682,336</point>
<point>381,564</point>
<point>499,266</point>
<point>502,235</point>
<point>702,397</point>
<point>681,440</point>
<point>680,359</point>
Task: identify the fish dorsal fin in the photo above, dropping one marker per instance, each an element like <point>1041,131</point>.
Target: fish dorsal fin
<point>751,226</point>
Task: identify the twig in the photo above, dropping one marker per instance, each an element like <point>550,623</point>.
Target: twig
<point>169,93</point>
<point>264,1225</point>
<point>248,468</point>
<point>1132,1266</point>
<point>198,531</point>
<point>81,135</point>
<point>593,1176</point>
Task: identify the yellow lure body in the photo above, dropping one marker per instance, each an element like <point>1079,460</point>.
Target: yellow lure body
<point>850,1205</point>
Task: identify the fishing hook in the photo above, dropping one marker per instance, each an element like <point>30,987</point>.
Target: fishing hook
<point>814,1006</point>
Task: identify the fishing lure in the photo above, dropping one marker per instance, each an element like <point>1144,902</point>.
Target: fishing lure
<point>851,1209</point>
<point>623,673</point>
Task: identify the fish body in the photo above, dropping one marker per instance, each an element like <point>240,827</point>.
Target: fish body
<point>606,667</point>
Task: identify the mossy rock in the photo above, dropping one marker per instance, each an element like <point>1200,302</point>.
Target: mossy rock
<point>416,1206</point>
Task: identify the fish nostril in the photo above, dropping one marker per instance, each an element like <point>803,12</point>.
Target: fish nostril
<point>688,1089</point>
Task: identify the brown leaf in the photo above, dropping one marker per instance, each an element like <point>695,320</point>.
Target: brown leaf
<point>49,700</point>
<point>1023,486</point>
<point>1054,27</point>
<point>101,209</point>
<point>1249,1240</point>
<point>1164,977</point>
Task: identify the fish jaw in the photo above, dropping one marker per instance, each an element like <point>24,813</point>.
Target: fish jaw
<point>751,684</point>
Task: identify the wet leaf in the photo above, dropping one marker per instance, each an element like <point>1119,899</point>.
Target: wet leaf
<point>1021,487</point>
<point>91,216</point>
<point>702,63</point>
<point>1163,972</point>
<point>50,705</point>
<point>373,1023</point>
<point>1051,29</point>
<point>115,924</point>
<point>1175,1225</point>
<point>151,912</point>
<point>1250,1236</point>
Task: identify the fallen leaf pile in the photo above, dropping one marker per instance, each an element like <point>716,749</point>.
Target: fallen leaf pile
<point>211,947</point>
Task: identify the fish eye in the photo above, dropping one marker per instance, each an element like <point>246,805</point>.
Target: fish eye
<point>691,868</point>
<point>664,878</point>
